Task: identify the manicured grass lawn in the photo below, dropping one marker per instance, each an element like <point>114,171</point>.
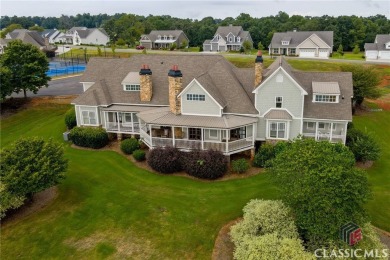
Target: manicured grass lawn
<point>245,61</point>
<point>108,207</point>
<point>378,123</point>
<point>348,56</point>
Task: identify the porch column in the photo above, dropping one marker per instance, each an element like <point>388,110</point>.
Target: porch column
<point>150,134</point>
<point>345,132</point>
<point>104,119</point>
<point>132,123</point>
<point>227,140</point>
<point>173,136</point>
<point>117,120</point>
<point>331,132</point>
<point>202,135</point>
<point>316,134</point>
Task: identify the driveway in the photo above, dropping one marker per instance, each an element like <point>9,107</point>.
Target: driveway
<point>58,87</point>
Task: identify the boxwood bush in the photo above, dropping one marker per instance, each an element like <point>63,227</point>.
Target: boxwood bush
<point>91,137</point>
<point>139,155</point>
<point>70,119</point>
<point>240,165</point>
<point>165,160</point>
<point>205,164</point>
<point>267,152</point>
<point>128,146</point>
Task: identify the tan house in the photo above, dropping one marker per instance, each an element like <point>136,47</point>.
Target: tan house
<point>205,102</point>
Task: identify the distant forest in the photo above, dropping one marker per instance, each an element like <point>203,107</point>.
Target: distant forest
<point>348,30</point>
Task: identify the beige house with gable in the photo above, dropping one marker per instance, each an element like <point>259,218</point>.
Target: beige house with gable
<point>205,102</point>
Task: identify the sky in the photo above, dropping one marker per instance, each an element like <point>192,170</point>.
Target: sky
<point>196,9</point>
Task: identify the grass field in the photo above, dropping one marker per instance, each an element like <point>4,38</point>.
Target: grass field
<point>348,56</point>
<point>108,207</point>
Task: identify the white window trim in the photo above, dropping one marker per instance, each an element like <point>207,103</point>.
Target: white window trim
<point>212,136</point>
<point>310,128</point>
<point>285,42</point>
<point>321,128</point>
<point>319,94</point>
<point>125,87</point>
<point>94,111</point>
<point>198,97</point>
<point>286,129</point>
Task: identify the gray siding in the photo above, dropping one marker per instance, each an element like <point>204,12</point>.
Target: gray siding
<point>261,127</point>
<point>292,98</point>
<point>206,47</point>
<point>295,128</point>
<point>97,38</point>
<point>207,107</point>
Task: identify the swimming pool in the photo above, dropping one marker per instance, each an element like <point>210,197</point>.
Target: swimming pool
<point>62,68</point>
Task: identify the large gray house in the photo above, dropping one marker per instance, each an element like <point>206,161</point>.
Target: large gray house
<point>205,102</point>
<point>380,49</point>
<point>227,38</point>
<point>305,44</point>
<point>164,39</point>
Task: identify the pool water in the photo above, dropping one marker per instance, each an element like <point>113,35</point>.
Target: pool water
<point>61,68</point>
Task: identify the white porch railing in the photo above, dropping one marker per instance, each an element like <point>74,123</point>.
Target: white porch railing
<point>122,128</point>
<point>320,136</point>
<point>239,144</point>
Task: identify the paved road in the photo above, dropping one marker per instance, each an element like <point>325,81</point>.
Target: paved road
<point>58,87</point>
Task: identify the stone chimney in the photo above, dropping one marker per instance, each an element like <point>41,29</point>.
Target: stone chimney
<point>175,79</point>
<point>46,41</point>
<point>258,68</point>
<point>146,91</point>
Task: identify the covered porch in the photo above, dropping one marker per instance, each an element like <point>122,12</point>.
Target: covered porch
<point>334,132</point>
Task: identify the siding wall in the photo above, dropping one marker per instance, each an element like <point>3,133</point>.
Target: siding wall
<point>97,38</point>
<point>207,107</point>
<point>295,128</point>
<point>292,99</point>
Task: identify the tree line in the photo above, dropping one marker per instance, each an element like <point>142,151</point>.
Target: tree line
<point>349,31</point>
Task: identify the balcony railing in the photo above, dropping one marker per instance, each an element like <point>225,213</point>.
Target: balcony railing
<point>185,144</point>
<point>320,136</point>
<point>122,128</point>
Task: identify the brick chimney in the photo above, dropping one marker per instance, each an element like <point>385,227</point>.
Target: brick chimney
<point>258,68</point>
<point>175,79</point>
<point>146,91</point>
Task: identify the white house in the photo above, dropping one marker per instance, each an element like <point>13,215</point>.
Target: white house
<point>379,50</point>
<point>228,38</point>
<point>305,44</point>
<point>205,102</point>
<point>83,35</point>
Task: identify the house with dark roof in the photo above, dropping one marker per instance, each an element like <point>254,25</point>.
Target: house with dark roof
<point>26,36</point>
<point>305,44</point>
<point>84,35</point>
<point>52,35</point>
<point>164,39</point>
<point>205,102</point>
<point>227,38</point>
<point>380,49</point>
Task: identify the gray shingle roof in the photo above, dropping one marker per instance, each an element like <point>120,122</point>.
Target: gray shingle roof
<point>218,76</point>
<point>326,87</point>
<point>379,45</point>
<point>297,38</point>
<point>154,34</point>
<point>27,36</point>
<point>278,114</point>
<point>162,116</point>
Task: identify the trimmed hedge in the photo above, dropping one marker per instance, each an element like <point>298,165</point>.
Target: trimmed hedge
<point>267,152</point>
<point>165,160</point>
<point>89,137</point>
<point>128,146</point>
<point>207,164</point>
<point>363,146</point>
<point>240,165</point>
<point>139,155</point>
<point>70,119</point>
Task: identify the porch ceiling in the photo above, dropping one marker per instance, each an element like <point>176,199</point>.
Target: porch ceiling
<point>163,116</point>
<point>124,108</point>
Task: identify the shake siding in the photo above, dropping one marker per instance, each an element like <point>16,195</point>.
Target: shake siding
<point>292,99</point>
<point>207,107</point>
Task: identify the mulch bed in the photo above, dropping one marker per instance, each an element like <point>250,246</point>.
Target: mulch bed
<point>223,246</point>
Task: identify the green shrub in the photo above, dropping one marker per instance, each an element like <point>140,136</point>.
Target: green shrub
<point>265,153</point>
<point>207,164</point>
<point>89,137</point>
<point>363,146</point>
<point>240,165</point>
<point>165,160</point>
<point>139,155</point>
<point>128,146</point>
<point>70,119</point>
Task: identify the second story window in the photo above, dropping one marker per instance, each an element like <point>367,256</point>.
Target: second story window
<point>132,87</point>
<point>278,102</point>
<point>196,97</point>
<point>238,39</point>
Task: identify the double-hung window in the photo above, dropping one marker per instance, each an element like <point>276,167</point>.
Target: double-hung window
<point>278,102</point>
<point>89,117</point>
<point>277,130</point>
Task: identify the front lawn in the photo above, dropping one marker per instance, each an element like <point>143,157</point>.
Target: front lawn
<point>108,207</point>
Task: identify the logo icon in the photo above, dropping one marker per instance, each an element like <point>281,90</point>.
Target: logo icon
<point>351,233</point>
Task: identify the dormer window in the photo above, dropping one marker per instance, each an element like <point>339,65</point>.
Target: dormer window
<point>230,39</point>
<point>285,42</point>
<point>196,97</point>
<point>165,37</point>
<point>238,39</point>
<point>132,87</point>
<point>159,37</point>
<point>326,98</point>
<point>326,92</point>
<point>388,45</point>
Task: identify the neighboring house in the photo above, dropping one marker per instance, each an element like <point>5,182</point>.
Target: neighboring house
<point>3,45</point>
<point>228,38</point>
<point>164,39</point>
<point>205,102</point>
<point>32,37</point>
<point>52,35</point>
<point>308,44</point>
<point>83,35</point>
<point>380,49</point>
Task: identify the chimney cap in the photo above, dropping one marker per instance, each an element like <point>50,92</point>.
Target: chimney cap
<point>175,72</point>
<point>145,70</point>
